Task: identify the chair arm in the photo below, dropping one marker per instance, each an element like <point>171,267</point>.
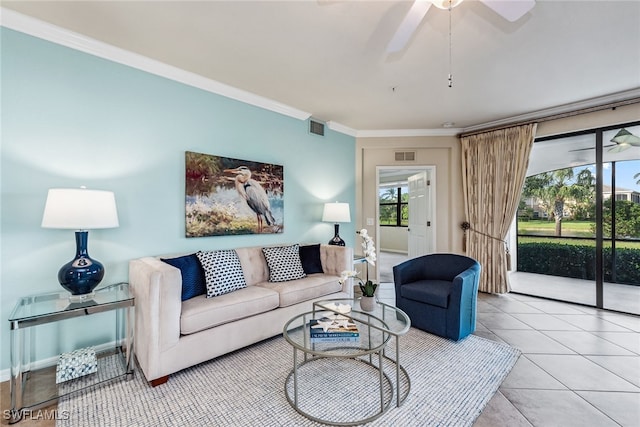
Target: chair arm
<point>463,284</point>
<point>462,302</point>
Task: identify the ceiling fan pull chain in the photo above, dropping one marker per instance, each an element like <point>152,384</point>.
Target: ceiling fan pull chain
<point>450,75</point>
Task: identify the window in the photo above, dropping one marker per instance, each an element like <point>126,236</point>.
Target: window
<point>394,205</point>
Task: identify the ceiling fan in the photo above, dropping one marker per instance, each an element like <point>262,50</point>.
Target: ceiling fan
<point>623,140</point>
<point>510,10</point>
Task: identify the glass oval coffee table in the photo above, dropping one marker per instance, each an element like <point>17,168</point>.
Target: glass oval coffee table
<point>345,381</point>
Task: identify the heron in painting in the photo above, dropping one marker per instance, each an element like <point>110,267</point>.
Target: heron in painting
<point>253,193</point>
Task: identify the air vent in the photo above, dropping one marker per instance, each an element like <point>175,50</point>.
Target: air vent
<point>316,127</point>
<point>405,156</point>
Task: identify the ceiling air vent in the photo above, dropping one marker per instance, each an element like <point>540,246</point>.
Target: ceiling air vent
<point>405,156</point>
<point>316,127</point>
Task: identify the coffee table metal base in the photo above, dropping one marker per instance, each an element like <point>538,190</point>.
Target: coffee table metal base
<point>292,387</point>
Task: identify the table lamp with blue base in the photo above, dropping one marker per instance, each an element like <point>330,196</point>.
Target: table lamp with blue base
<point>80,209</point>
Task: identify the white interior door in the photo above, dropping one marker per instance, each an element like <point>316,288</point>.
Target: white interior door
<point>420,215</point>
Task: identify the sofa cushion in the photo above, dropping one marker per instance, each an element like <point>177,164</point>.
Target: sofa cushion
<point>254,266</point>
<point>310,258</point>
<point>312,286</point>
<point>284,263</point>
<point>222,271</point>
<point>193,281</point>
<point>433,292</point>
<point>202,313</point>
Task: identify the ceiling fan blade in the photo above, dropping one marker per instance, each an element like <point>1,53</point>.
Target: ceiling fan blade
<point>619,147</point>
<point>592,148</point>
<point>408,26</point>
<point>581,149</point>
<point>510,10</point>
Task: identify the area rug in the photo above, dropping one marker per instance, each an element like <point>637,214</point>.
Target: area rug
<point>451,382</point>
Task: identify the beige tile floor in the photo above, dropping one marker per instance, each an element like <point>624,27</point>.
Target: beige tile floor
<point>579,366</point>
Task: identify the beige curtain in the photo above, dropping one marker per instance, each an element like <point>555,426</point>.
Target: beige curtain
<point>494,165</point>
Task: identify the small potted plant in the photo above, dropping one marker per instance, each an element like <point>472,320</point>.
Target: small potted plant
<point>368,300</point>
<point>368,287</point>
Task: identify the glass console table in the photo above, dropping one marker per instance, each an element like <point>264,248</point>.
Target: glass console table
<point>35,388</point>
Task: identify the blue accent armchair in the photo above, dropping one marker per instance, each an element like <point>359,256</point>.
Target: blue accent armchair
<point>439,293</point>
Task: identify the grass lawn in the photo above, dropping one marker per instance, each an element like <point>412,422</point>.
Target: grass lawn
<point>542,227</point>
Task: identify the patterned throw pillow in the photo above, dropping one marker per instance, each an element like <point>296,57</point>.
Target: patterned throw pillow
<point>284,263</point>
<point>193,282</point>
<point>222,270</point>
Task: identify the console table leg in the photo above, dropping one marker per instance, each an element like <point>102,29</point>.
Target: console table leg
<point>16,383</point>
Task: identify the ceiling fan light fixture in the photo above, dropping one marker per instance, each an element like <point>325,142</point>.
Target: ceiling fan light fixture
<point>445,4</point>
<point>625,137</point>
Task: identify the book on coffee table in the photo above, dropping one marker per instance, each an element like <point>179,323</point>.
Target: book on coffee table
<point>333,330</point>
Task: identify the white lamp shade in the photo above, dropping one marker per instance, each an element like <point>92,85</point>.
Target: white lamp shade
<point>336,212</point>
<point>80,209</point>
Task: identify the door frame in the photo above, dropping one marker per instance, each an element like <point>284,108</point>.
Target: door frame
<point>410,170</point>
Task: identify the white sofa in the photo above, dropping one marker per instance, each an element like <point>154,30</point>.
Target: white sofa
<point>171,335</point>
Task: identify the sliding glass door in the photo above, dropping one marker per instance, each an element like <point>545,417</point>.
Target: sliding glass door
<point>621,223</point>
<point>579,220</point>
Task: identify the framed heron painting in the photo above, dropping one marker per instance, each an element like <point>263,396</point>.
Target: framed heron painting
<point>226,196</point>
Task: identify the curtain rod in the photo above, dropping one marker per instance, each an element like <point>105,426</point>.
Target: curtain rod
<point>543,118</point>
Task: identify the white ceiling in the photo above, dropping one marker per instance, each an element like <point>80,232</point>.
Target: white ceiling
<point>327,57</point>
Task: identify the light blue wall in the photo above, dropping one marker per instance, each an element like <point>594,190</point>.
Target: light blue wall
<point>72,119</point>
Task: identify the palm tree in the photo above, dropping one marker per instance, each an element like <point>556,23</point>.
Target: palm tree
<point>637,176</point>
<point>553,189</point>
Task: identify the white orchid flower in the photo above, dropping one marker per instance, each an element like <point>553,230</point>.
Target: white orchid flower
<point>347,274</point>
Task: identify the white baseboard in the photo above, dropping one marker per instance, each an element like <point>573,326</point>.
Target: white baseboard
<point>394,251</point>
<point>5,374</point>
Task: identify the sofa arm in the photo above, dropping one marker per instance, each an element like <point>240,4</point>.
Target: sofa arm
<point>157,288</point>
<point>335,260</point>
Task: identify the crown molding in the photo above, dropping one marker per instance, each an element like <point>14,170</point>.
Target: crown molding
<point>43,30</point>
<point>338,127</point>
<point>386,133</point>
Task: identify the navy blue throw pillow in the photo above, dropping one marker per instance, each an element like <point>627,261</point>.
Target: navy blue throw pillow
<point>193,283</point>
<point>310,257</point>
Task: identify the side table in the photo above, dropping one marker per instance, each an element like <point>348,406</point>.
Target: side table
<point>40,309</point>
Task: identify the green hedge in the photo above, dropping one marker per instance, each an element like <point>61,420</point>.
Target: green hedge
<point>578,261</point>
